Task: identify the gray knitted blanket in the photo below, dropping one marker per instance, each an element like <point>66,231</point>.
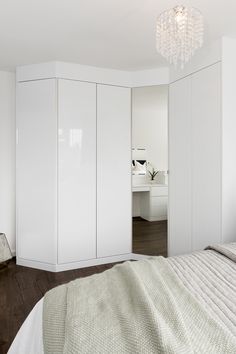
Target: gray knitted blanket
<point>149,306</point>
<point>5,252</point>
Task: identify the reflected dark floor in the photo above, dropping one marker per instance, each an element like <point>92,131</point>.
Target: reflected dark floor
<point>150,237</point>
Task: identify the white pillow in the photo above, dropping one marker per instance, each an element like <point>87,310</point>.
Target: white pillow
<point>140,167</point>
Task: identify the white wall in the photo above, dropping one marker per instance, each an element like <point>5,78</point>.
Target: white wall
<point>149,123</point>
<point>7,156</point>
<point>228,139</point>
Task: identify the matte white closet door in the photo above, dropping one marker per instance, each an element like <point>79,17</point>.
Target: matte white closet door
<point>36,171</point>
<point>179,219</point>
<point>206,157</point>
<point>76,171</point>
<point>113,171</point>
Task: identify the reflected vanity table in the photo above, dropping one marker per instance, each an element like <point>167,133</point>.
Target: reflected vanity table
<point>153,201</point>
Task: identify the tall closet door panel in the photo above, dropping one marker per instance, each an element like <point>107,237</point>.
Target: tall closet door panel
<point>36,170</point>
<point>179,228</point>
<point>76,171</point>
<point>206,156</point>
<point>113,171</point>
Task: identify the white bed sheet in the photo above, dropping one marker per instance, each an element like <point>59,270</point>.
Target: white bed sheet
<point>29,339</point>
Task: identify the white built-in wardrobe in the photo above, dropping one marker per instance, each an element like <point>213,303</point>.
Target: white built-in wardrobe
<point>202,147</point>
<point>73,173</point>
<point>195,161</point>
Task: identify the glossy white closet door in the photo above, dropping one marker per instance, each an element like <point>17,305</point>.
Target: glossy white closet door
<point>76,171</point>
<point>113,170</point>
<point>179,220</point>
<point>36,171</point>
<point>206,157</point>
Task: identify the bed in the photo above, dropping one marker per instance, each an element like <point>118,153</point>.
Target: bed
<point>184,304</point>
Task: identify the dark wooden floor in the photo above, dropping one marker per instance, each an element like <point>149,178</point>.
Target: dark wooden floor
<point>21,288</point>
<point>150,237</point>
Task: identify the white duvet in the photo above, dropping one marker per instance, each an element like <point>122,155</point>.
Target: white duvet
<point>29,339</point>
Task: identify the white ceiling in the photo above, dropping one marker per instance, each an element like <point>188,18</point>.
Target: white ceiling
<point>117,34</point>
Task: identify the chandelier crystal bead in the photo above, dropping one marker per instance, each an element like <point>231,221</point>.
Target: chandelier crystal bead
<point>179,33</point>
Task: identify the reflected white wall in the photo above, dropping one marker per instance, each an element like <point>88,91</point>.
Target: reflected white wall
<point>7,156</point>
<point>150,123</point>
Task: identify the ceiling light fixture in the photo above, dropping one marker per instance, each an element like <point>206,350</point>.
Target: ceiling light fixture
<point>179,33</point>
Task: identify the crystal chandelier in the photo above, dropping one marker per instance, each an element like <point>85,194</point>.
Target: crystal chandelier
<point>179,34</point>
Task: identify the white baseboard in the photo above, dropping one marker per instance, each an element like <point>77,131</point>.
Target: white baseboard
<point>94,262</point>
<point>35,264</point>
<point>77,265</point>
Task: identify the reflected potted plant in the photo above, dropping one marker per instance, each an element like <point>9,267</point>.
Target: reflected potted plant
<point>152,173</point>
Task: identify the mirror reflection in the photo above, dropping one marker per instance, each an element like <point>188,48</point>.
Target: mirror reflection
<point>150,169</point>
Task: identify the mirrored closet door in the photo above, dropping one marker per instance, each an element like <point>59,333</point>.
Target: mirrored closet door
<point>150,169</point>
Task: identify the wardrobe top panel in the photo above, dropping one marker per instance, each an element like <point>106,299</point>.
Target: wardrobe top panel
<point>71,71</point>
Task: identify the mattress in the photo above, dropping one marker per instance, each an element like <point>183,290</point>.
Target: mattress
<point>208,275</point>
